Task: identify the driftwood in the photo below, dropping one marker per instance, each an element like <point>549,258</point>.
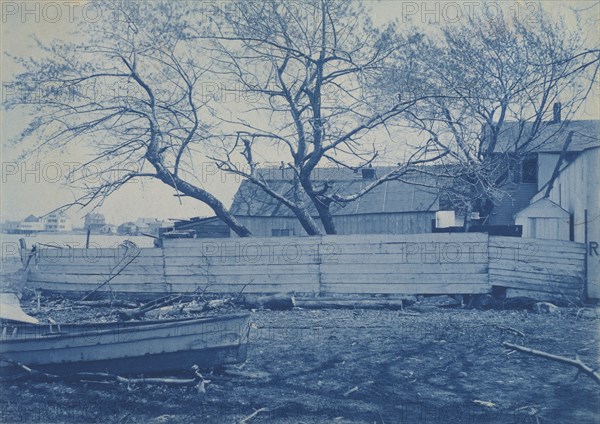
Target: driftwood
<point>142,310</point>
<point>197,381</point>
<point>108,303</point>
<point>169,381</point>
<point>30,371</point>
<point>278,302</point>
<point>350,304</point>
<point>575,362</point>
<point>252,415</point>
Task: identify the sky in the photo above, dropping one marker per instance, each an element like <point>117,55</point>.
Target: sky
<point>36,185</point>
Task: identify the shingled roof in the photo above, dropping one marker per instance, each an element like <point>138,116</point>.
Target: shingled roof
<point>551,137</point>
<point>390,197</point>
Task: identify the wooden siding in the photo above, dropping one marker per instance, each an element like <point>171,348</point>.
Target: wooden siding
<point>380,223</point>
<point>576,190</point>
<point>455,263</point>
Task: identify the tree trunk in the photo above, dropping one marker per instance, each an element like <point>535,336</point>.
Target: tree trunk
<point>325,216</point>
<point>307,221</point>
<point>205,197</point>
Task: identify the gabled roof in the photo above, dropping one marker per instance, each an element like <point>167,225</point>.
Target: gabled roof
<point>389,197</point>
<point>31,218</point>
<point>543,208</point>
<point>550,137</point>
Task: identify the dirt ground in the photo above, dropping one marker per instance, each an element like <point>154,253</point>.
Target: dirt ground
<point>359,366</point>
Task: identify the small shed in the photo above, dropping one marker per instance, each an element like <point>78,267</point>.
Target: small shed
<point>211,227</point>
<point>544,219</point>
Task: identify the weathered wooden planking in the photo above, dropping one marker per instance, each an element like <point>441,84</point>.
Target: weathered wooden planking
<point>243,269</point>
<point>537,245</point>
<point>402,238</point>
<point>92,280</point>
<point>529,285</point>
<point>536,276</point>
<point>431,251</point>
<point>253,288</point>
<point>381,288</point>
<point>93,269</point>
<point>398,270</point>
<point>371,258</point>
<point>541,267</point>
<point>282,279</point>
<point>70,288</point>
<point>413,280</point>
<point>542,242</point>
<point>98,252</point>
<point>238,261</point>
<point>543,296</point>
<point>141,257</point>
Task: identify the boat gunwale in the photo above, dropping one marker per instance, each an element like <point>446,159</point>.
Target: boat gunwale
<point>108,328</point>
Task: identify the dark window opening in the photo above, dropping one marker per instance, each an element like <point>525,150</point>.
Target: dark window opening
<point>275,232</point>
<point>571,227</point>
<point>529,171</point>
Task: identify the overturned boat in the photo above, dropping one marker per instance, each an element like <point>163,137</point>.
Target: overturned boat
<point>146,347</point>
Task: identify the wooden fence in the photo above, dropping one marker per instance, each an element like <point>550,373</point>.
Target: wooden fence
<point>525,266</point>
<point>465,263</point>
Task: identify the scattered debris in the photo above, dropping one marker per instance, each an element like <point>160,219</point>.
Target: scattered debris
<point>352,390</point>
<point>278,302</point>
<point>575,362</point>
<point>487,404</point>
<point>252,415</point>
<point>439,301</point>
<point>589,313</point>
<point>545,308</point>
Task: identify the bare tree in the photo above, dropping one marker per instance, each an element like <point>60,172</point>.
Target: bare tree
<point>496,79</point>
<point>308,66</point>
<point>130,92</point>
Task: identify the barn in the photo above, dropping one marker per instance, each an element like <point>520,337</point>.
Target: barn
<point>395,207</point>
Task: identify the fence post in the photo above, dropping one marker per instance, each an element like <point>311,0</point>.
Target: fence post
<point>319,263</point>
<point>587,254</point>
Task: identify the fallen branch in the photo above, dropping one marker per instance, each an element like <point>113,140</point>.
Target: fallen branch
<point>350,304</point>
<point>513,330</point>
<point>107,303</point>
<point>575,362</point>
<point>32,372</point>
<point>147,307</point>
<point>252,415</point>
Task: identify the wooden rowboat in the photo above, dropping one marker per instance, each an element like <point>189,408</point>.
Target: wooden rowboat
<point>125,347</point>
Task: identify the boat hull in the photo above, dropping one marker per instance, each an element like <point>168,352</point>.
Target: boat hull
<point>127,348</point>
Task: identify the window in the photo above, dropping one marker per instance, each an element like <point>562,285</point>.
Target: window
<point>275,232</point>
<point>529,170</point>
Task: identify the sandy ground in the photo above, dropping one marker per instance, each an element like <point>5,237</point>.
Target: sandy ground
<point>358,366</point>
